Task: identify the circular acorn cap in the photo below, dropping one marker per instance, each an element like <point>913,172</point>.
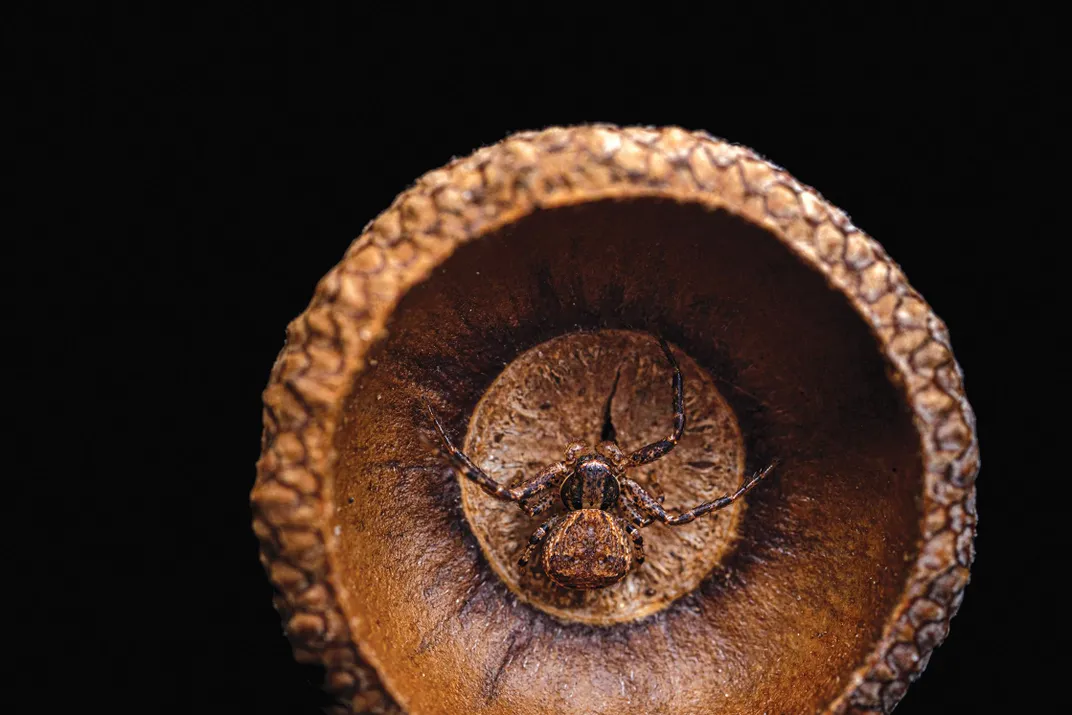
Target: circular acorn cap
<point>831,585</point>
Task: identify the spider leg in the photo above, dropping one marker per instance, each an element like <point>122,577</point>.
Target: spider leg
<point>638,541</point>
<point>547,477</point>
<point>538,503</point>
<point>612,450</point>
<point>573,449</point>
<point>536,539</point>
<point>647,505</point>
<point>653,451</point>
<point>465,465</point>
<point>550,476</point>
<point>630,509</point>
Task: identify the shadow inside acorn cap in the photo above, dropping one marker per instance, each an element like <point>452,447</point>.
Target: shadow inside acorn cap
<point>821,553</point>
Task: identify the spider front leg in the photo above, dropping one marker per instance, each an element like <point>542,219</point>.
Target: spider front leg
<point>614,452</point>
<point>639,501</point>
<point>538,503</point>
<point>549,476</point>
<point>653,451</point>
<point>536,539</point>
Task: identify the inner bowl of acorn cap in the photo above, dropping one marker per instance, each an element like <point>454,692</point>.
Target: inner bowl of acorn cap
<point>521,293</point>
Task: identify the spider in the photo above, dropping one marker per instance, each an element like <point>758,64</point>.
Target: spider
<point>587,546</point>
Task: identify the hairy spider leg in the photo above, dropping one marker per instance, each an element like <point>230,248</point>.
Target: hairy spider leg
<point>653,451</point>
<point>630,511</point>
<point>537,538</point>
<point>538,503</point>
<point>638,501</point>
<point>547,477</point>
<point>614,452</point>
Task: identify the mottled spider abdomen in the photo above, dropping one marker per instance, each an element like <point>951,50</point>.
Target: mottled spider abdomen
<point>589,549</point>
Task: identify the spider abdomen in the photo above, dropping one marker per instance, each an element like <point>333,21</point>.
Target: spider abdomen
<point>589,549</point>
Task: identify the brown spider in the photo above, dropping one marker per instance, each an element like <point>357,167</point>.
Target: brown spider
<point>588,548</point>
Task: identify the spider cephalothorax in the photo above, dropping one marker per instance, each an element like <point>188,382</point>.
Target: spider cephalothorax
<point>588,546</point>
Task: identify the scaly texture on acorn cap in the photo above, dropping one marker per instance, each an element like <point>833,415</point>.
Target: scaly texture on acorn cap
<point>831,588</point>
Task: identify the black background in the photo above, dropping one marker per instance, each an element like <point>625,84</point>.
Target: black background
<point>203,170</point>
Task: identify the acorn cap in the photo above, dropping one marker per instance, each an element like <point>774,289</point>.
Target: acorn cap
<point>520,291</point>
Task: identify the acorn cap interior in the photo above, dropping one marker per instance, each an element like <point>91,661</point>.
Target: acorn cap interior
<point>812,589</point>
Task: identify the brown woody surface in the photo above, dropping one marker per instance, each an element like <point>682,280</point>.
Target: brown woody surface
<point>837,544</point>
